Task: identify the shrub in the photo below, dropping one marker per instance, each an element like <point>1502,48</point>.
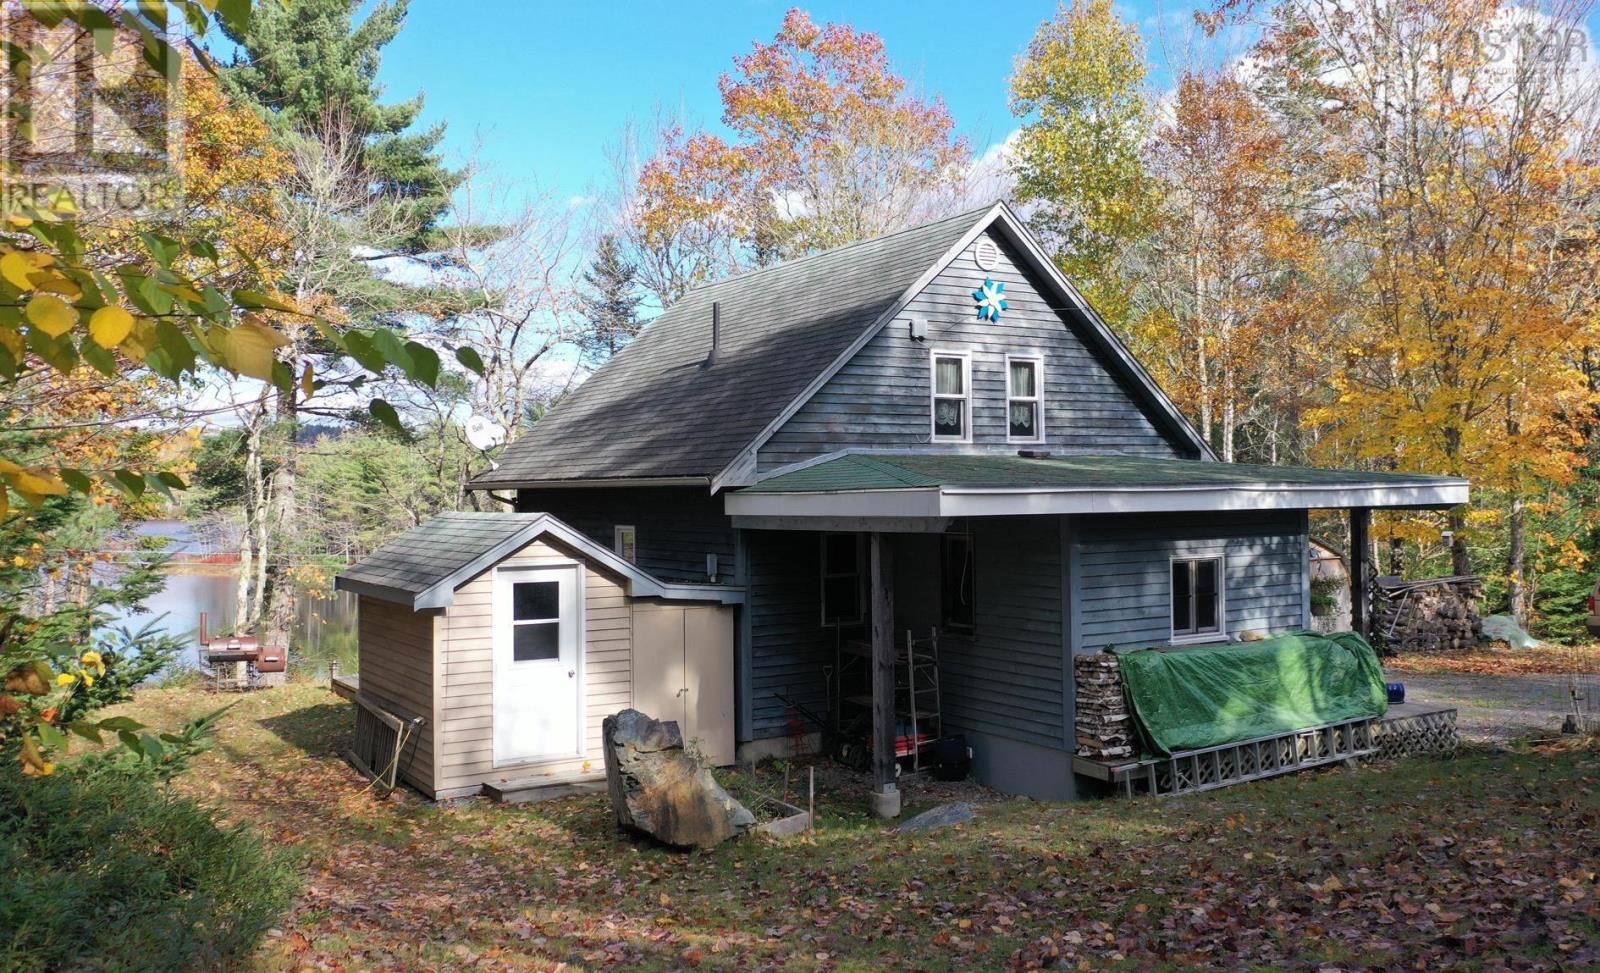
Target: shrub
<point>107,870</point>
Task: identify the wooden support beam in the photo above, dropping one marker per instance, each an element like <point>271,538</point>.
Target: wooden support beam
<point>885,796</point>
<point>1360,544</point>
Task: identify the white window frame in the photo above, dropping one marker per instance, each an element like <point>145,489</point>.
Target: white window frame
<point>617,533</point>
<point>1037,361</point>
<point>934,396</point>
<point>823,575</point>
<point>1220,634</point>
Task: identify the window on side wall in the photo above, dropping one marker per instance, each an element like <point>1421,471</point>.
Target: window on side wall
<point>952,397</point>
<point>1197,599</point>
<point>958,587</point>
<point>842,580</point>
<point>625,542</point>
<point>1024,400</point>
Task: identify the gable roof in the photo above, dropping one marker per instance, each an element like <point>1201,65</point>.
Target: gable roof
<point>655,411</point>
<point>423,567</point>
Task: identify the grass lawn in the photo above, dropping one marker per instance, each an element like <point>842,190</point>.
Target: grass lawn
<point>1486,861</point>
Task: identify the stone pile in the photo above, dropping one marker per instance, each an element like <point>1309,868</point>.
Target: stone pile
<point>1104,727</point>
<point>1437,615</point>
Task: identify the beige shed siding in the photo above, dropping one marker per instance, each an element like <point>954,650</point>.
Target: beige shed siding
<point>396,671</point>
<point>465,742</point>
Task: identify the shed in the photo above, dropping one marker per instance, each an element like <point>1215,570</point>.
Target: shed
<point>503,640</point>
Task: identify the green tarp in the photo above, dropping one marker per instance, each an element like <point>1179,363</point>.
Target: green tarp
<point>1205,696</point>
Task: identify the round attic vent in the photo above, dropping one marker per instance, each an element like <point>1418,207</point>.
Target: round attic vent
<point>986,255</point>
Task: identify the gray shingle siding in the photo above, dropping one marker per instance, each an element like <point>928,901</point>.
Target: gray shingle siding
<point>677,526</point>
<point>881,397</point>
<point>1006,678</point>
<point>790,651</point>
<point>1124,586</point>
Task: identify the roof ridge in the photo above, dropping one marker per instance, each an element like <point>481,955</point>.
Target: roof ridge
<point>793,261</point>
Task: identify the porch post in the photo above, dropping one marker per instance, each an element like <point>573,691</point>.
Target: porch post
<point>885,798</point>
<point>1360,529</point>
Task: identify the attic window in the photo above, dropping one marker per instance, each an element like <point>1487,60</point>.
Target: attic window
<point>625,541</point>
<point>952,396</point>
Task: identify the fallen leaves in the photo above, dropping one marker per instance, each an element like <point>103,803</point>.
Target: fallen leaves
<point>1498,659</point>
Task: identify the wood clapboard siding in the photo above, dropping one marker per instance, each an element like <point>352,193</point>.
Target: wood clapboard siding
<point>395,666</point>
<point>677,526</point>
<point>881,397</point>
<point>1006,678</point>
<point>790,650</point>
<point>465,712</point>
<point>1124,585</point>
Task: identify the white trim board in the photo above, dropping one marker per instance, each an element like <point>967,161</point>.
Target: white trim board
<point>929,502</point>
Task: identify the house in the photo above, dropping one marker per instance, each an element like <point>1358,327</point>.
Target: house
<point>924,449</point>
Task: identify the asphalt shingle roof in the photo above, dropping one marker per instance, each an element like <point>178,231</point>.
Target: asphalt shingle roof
<point>654,411</point>
<point>426,555</point>
<point>898,472</point>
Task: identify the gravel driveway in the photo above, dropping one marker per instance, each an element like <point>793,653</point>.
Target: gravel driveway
<point>1494,709</point>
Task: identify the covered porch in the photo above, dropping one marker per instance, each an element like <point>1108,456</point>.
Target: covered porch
<point>1055,557</point>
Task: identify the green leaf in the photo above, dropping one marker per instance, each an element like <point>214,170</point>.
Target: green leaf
<point>52,737</point>
<point>120,724</point>
<point>151,747</point>
<point>172,480</point>
<point>86,730</point>
<point>76,479</point>
<point>163,248</point>
<point>58,353</point>
<point>235,15</point>
<point>258,299</point>
<point>470,359</point>
<point>387,344</point>
<point>131,482</point>
<point>424,363</point>
<point>131,741</point>
<point>152,481</point>
<point>101,359</point>
<point>359,346</point>
<point>384,413</point>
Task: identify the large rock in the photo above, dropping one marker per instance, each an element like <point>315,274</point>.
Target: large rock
<point>662,791</point>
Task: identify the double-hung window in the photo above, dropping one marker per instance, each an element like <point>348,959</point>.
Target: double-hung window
<point>1197,599</point>
<point>842,580</point>
<point>952,397</point>
<point>1024,400</point>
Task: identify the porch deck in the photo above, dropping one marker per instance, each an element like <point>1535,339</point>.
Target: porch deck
<point>1407,728</point>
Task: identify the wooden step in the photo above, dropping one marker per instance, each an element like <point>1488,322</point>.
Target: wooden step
<point>544,789</point>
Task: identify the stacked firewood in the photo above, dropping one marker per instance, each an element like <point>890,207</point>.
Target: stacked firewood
<point>1436,615</point>
<point>1104,729</point>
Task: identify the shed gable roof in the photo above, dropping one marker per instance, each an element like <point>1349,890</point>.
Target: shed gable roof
<point>655,411</point>
<point>423,567</point>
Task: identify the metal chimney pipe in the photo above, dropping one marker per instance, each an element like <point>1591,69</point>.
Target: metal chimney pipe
<point>716,333</point>
<point>205,629</point>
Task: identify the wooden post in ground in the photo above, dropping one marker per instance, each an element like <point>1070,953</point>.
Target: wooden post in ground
<point>885,797</point>
<point>1360,543</point>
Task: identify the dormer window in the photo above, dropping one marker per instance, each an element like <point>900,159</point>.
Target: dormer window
<point>952,397</point>
<point>1024,400</point>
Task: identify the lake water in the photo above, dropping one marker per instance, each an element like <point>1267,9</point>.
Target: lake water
<point>324,630</point>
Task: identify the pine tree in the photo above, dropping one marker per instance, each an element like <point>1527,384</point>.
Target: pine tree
<point>610,303</point>
<point>308,65</point>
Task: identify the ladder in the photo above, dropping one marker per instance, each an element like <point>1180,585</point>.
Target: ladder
<point>920,666</point>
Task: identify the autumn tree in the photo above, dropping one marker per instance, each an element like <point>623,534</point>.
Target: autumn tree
<point>1080,91</point>
<point>828,146</point>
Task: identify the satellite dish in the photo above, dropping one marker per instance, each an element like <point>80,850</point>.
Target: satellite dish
<point>485,434</point>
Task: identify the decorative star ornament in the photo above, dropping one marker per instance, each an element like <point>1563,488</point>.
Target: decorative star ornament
<point>991,298</point>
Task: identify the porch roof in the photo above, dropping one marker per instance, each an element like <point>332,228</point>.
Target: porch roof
<point>964,485</point>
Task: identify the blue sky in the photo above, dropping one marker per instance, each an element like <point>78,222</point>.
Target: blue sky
<point>538,95</point>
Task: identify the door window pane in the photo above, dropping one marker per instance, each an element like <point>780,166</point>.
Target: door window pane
<point>540,640</point>
<point>841,579</point>
<point>532,600</point>
<point>957,590</point>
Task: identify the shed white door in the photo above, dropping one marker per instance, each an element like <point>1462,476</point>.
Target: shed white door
<point>538,664</point>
